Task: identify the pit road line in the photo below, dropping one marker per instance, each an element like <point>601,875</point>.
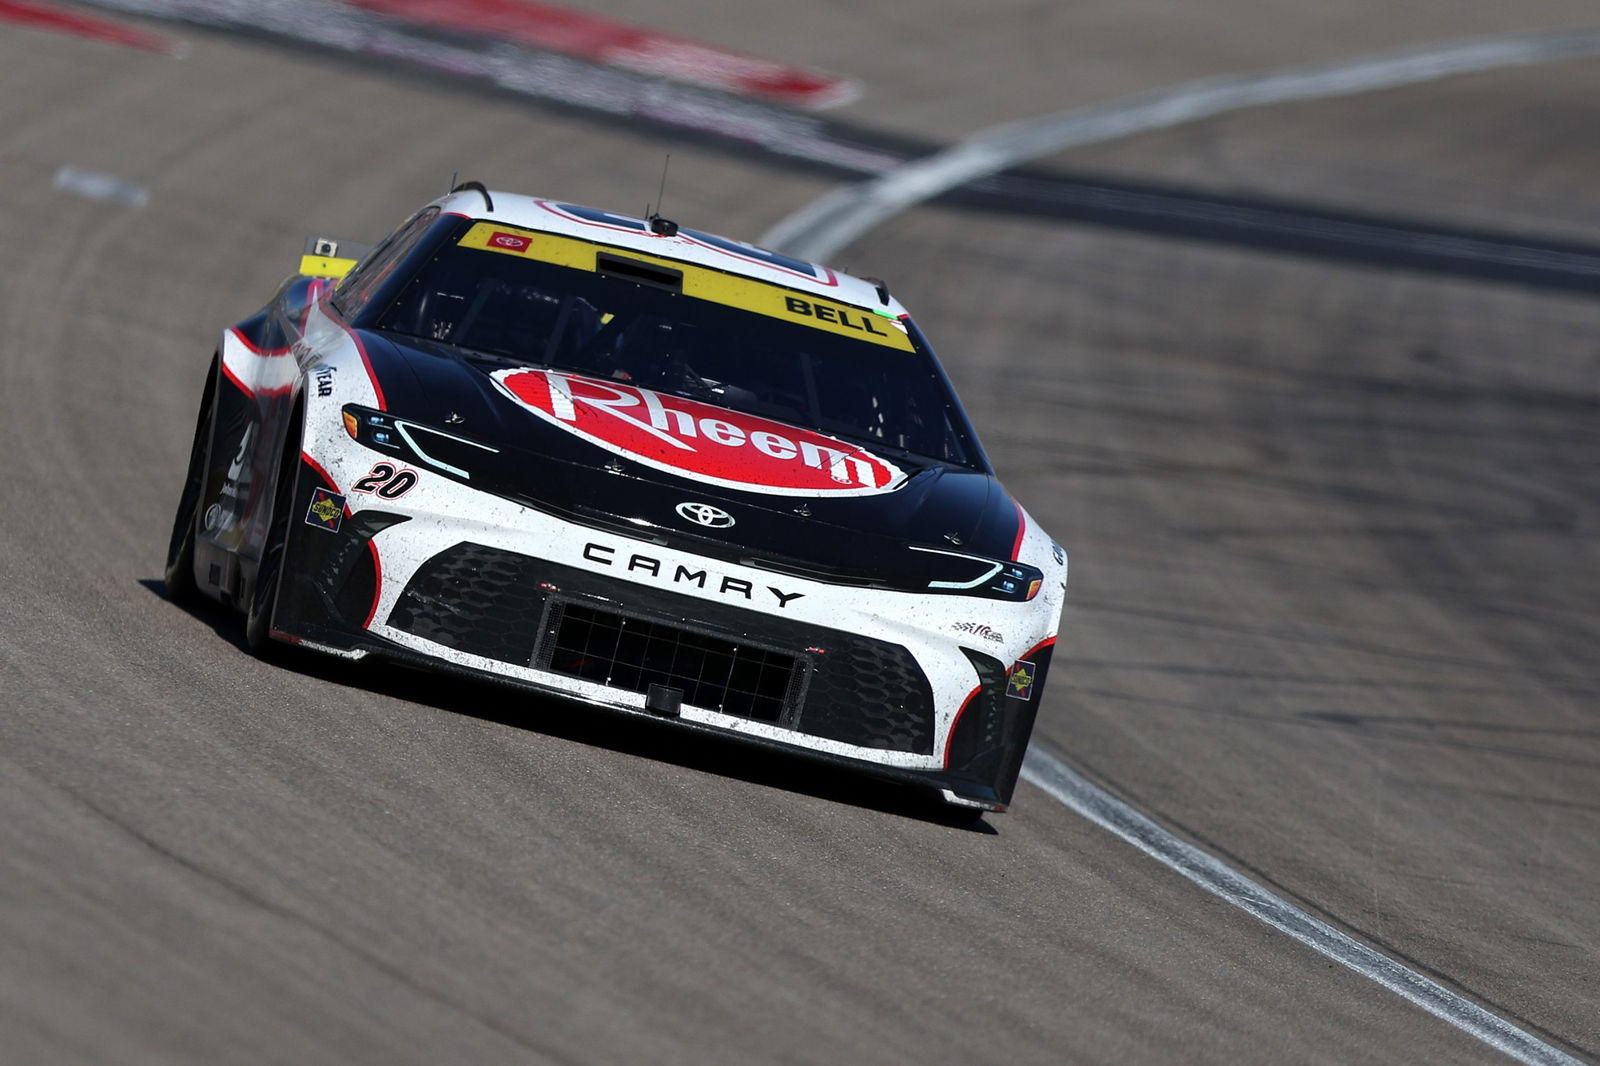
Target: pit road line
<point>1072,790</point>
<point>820,229</point>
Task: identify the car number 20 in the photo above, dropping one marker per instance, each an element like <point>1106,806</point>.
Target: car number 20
<point>387,481</point>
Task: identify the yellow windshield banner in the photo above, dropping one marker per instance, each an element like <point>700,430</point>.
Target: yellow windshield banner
<point>699,282</point>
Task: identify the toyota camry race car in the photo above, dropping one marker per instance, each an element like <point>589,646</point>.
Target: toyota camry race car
<point>633,465</point>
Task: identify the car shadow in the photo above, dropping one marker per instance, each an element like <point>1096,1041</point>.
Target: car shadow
<point>626,734</point>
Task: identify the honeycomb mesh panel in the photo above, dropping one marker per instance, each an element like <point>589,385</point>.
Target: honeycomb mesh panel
<point>475,599</point>
<point>871,694</point>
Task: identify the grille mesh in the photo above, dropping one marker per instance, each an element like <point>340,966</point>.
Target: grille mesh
<point>634,653</point>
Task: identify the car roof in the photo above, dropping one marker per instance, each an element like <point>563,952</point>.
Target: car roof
<point>684,244</point>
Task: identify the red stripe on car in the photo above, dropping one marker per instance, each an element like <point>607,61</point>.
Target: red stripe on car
<point>268,353</point>
<point>1028,655</point>
<point>234,380</point>
<point>305,457</point>
<point>951,736</point>
<point>366,361</point>
<point>377,585</point>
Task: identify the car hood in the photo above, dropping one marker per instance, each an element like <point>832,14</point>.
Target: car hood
<point>863,532</point>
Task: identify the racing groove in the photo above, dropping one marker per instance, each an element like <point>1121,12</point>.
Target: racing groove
<point>1331,531</point>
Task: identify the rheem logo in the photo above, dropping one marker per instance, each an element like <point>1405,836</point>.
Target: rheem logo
<point>698,440</point>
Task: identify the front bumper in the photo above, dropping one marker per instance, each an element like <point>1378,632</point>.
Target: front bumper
<point>472,583</point>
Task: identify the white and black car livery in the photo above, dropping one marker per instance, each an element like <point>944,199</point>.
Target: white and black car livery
<point>633,465</point>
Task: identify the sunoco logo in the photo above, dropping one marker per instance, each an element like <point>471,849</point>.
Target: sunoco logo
<point>697,440</point>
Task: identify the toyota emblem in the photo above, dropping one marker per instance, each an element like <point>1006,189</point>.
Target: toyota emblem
<point>704,514</point>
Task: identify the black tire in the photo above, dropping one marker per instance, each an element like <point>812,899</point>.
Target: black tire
<point>178,578</point>
<point>269,574</point>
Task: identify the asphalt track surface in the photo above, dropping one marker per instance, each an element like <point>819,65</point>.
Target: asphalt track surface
<point>1332,613</point>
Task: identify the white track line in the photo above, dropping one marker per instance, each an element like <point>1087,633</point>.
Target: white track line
<point>1111,813</point>
<point>820,229</point>
<point>1105,810</point>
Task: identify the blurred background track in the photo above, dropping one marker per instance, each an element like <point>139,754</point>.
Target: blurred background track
<point>1333,526</point>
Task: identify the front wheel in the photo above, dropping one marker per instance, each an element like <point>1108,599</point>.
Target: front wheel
<point>178,578</point>
<point>269,574</point>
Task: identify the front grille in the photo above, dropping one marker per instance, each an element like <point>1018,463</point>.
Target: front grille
<point>634,653</point>
<point>823,682</point>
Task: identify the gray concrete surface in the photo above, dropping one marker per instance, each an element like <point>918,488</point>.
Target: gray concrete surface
<point>1334,556</point>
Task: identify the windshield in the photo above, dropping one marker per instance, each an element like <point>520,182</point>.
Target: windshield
<point>523,310</point>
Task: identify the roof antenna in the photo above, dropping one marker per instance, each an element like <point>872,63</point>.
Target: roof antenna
<point>454,175</point>
<point>661,227</point>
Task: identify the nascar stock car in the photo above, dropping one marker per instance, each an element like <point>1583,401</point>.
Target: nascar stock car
<point>633,465</point>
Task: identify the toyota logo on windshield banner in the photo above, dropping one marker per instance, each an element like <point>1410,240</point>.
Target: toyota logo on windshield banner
<point>700,441</point>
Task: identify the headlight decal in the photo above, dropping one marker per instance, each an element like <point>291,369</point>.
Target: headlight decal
<point>401,436</point>
<point>996,579</point>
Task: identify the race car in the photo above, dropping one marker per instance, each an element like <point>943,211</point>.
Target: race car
<point>630,464</point>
